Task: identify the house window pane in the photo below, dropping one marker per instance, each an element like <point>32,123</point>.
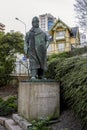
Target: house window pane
<point>60,35</point>
<point>61,47</point>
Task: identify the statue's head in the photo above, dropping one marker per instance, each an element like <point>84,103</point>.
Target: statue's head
<point>35,22</point>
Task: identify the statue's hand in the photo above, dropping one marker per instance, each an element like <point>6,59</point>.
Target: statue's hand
<point>47,44</point>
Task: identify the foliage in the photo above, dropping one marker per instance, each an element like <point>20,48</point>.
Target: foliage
<point>81,12</point>
<point>50,73</point>
<point>73,52</point>
<point>9,106</point>
<point>60,55</point>
<point>15,41</point>
<point>53,60</point>
<point>64,129</point>
<point>40,124</point>
<point>72,75</point>
<point>78,51</point>
<point>10,43</point>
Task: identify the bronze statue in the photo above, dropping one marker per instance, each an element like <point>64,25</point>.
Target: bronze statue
<point>37,42</point>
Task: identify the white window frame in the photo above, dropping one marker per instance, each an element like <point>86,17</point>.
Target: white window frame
<point>61,47</point>
<point>60,35</point>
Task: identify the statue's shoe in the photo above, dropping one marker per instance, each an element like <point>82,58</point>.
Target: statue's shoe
<point>33,78</point>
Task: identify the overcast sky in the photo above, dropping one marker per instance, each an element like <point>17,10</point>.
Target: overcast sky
<point>25,10</point>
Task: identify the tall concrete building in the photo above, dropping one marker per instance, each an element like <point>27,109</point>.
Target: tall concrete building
<point>2,27</point>
<point>46,21</point>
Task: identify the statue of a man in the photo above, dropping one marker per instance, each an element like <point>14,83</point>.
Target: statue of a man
<point>37,43</point>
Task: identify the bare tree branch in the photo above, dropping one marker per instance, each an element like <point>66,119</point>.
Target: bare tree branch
<point>81,13</point>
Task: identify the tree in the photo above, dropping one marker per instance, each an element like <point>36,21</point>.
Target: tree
<point>81,13</point>
<point>15,41</point>
<point>10,43</point>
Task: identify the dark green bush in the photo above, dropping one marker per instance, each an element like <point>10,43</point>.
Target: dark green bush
<point>53,60</point>
<point>78,51</point>
<point>60,55</point>
<point>72,73</point>
<point>9,106</point>
<point>50,73</point>
<point>40,124</point>
<point>73,52</point>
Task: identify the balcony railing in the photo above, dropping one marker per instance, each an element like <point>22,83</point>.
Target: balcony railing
<point>60,37</point>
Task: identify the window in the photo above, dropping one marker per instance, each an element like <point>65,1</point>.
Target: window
<point>50,24</point>
<point>42,20</point>
<point>60,35</point>
<point>61,47</point>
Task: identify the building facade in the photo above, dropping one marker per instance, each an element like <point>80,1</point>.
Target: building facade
<point>64,37</point>
<point>46,21</point>
<point>2,27</point>
<point>21,65</point>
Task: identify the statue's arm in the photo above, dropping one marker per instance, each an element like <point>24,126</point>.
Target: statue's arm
<point>48,40</point>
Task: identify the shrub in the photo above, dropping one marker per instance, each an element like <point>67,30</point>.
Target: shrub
<point>78,51</point>
<point>50,73</point>
<point>72,73</point>
<point>53,60</point>
<point>60,55</point>
<point>40,124</point>
<point>9,106</point>
<point>73,52</point>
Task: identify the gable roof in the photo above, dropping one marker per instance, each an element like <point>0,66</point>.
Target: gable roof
<point>55,24</point>
<point>74,31</point>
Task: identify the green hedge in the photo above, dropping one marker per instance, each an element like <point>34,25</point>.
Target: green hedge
<point>9,106</point>
<point>72,73</point>
<point>73,52</point>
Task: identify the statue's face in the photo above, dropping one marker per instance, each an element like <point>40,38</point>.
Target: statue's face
<point>35,22</point>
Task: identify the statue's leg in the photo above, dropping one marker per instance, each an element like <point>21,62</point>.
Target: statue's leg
<point>33,73</point>
<point>40,73</point>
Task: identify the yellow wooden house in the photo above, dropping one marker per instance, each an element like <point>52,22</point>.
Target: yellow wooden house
<point>64,37</point>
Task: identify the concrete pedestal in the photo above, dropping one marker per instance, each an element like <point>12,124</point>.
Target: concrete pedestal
<point>38,99</point>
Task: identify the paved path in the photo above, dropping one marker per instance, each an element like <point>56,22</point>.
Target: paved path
<point>67,120</point>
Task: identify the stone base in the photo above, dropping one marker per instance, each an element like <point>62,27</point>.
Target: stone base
<point>24,124</point>
<point>38,99</point>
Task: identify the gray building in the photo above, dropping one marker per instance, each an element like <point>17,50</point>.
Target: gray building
<point>46,21</point>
